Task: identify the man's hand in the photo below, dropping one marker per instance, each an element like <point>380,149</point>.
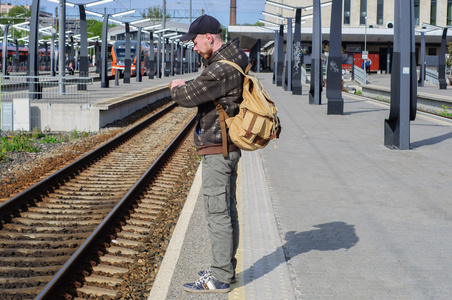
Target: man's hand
<point>177,82</point>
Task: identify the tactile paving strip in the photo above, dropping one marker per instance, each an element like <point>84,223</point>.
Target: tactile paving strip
<point>262,272</point>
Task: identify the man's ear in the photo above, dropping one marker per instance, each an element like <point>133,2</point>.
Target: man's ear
<point>209,38</point>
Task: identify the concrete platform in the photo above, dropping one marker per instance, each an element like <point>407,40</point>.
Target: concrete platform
<point>96,107</point>
<point>429,97</point>
<point>332,213</point>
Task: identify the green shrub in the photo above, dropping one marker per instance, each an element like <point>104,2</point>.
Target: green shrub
<point>20,142</point>
<point>445,112</point>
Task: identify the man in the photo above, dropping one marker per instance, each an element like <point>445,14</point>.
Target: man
<point>221,82</point>
<point>368,63</point>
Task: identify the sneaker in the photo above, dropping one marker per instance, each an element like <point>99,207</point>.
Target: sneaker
<point>207,284</point>
<point>203,273</point>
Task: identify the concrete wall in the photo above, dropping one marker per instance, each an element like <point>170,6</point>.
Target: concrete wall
<point>85,117</point>
<point>64,117</point>
<point>122,109</point>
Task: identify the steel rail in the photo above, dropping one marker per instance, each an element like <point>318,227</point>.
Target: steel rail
<point>79,261</point>
<point>19,203</point>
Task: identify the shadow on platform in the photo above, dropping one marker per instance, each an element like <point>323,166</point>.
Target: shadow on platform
<point>329,237</point>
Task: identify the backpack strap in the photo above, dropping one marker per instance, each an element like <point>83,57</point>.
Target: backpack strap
<point>248,67</point>
<point>223,116</point>
<point>222,113</point>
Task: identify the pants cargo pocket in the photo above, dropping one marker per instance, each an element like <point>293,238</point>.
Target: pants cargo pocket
<point>215,200</point>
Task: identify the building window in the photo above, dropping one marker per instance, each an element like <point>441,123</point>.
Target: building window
<point>449,13</point>
<point>433,12</point>
<point>363,12</point>
<point>346,12</point>
<point>380,4</point>
<point>417,12</point>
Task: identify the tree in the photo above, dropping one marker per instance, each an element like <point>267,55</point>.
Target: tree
<point>17,14</point>
<point>155,13</point>
<point>94,27</point>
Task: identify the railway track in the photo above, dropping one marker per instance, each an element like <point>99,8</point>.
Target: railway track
<point>75,233</point>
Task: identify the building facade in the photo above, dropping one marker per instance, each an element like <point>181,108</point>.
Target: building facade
<point>367,25</point>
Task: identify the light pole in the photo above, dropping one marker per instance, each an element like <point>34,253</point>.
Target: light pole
<point>365,32</point>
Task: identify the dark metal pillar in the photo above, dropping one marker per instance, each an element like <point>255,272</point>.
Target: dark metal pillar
<point>46,56</point>
<point>52,56</point>
<point>185,58</point>
<point>334,70</point>
<point>171,72</point>
<point>104,55</point>
<point>315,92</point>
<point>280,57</point>
<point>16,59</point>
<point>33,67</point>
<point>151,57</point>
<point>98,57</point>
<point>5,50</point>
<point>84,61</point>
<point>422,62</point>
<point>289,57</point>
<point>388,59</point>
<point>296,66</point>
<point>442,62</point>
<point>127,59</point>
<point>71,53</point>
<point>61,47</point>
<point>138,55</point>
<point>275,57</point>
<point>403,78</point>
<point>179,59</point>
<point>167,59</point>
<point>159,55</point>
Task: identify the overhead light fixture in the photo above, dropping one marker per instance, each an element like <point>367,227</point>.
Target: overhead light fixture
<point>311,7</point>
<point>45,28</point>
<point>176,37</point>
<point>140,21</point>
<point>273,15</point>
<point>169,34</point>
<point>67,3</point>
<point>271,23</point>
<point>97,3</point>
<point>280,5</point>
<point>161,30</point>
<point>123,13</point>
<point>152,26</point>
<point>21,24</point>
<point>307,17</point>
<point>23,28</point>
<point>94,13</point>
<point>116,21</point>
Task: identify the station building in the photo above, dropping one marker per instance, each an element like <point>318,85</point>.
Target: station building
<point>366,25</point>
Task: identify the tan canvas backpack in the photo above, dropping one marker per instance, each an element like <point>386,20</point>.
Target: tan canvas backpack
<point>257,122</point>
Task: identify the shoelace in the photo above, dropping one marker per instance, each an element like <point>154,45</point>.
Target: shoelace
<point>203,279</point>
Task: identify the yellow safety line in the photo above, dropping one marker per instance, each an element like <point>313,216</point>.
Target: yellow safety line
<point>238,289</point>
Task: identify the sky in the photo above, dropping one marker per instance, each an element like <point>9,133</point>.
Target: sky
<point>248,11</point>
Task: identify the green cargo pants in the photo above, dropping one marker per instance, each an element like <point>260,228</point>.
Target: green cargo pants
<point>219,184</point>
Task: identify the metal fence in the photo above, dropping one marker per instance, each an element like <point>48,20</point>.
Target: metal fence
<point>304,77</point>
<point>431,76</point>
<point>45,87</point>
<point>360,75</point>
